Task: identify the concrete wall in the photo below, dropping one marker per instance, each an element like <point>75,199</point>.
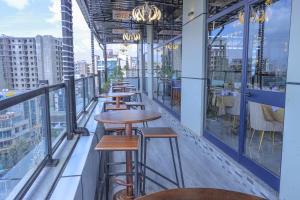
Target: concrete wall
<point>193,64</point>
<point>290,178</point>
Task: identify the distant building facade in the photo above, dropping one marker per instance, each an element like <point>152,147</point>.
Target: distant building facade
<point>24,61</point>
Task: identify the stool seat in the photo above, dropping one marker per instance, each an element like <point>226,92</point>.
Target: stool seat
<point>118,143</point>
<point>115,127</point>
<point>158,132</point>
<point>111,102</point>
<point>114,107</point>
<point>134,103</point>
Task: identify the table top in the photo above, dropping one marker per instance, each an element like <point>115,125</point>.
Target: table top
<point>127,116</point>
<point>198,194</point>
<point>117,94</point>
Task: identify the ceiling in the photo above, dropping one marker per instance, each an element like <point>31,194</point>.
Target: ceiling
<point>112,17</point>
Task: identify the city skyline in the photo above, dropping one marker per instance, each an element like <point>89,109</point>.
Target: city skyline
<point>28,18</point>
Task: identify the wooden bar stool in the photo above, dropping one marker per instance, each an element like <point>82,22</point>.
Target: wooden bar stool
<point>160,132</point>
<point>135,104</point>
<point>119,128</point>
<point>109,143</point>
<point>137,96</point>
<point>115,108</point>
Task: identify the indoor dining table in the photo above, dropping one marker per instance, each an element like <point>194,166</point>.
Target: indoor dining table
<point>127,117</point>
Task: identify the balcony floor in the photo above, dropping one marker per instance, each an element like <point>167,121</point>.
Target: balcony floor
<point>199,169</point>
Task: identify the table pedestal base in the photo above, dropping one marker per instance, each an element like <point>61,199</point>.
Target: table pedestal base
<point>122,195</point>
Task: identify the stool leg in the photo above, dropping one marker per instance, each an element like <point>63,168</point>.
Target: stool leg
<point>136,173</point>
<point>106,176</point>
<point>174,163</point>
<point>179,161</point>
<point>140,95</point>
<point>141,160</point>
<point>144,162</point>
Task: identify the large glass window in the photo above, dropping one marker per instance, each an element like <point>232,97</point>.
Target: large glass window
<point>246,81</point>
<point>267,67</point>
<point>167,75</point>
<point>225,50</point>
<point>268,45</point>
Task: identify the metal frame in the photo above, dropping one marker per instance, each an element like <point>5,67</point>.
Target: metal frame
<point>259,96</point>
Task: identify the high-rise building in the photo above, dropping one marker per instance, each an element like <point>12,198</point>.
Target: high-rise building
<point>82,68</point>
<point>49,59</point>
<point>24,61</point>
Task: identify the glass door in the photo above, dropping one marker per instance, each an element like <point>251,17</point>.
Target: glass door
<point>225,55</point>
<point>266,77</point>
<point>247,51</point>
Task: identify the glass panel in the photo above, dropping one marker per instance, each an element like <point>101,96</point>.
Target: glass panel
<point>216,6</point>
<point>22,143</point>
<point>167,75</point>
<point>225,52</point>
<point>90,89</point>
<point>145,74</point>
<point>269,30</point>
<point>264,135</point>
<point>57,114</point>
<point>79,95</point>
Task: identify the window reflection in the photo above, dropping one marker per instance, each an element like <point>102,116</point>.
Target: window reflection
<point>225,52</point>
<point>167,75</point>
<point>268,45</point>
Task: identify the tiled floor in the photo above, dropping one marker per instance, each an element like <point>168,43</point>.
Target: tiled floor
<point>199,169</point>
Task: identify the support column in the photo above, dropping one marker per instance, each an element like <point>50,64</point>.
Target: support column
<point>68,63</point>
<point>290,181</point>
<point>149,72</point>
<point>193,64</point>
<point>105,62</point>
<point>67,37</point>
<point>91,22</point>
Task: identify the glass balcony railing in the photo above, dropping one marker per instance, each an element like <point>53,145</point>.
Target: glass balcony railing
<point>32,126</point>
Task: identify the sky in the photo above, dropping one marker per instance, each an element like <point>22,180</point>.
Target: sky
<point>28,18</point>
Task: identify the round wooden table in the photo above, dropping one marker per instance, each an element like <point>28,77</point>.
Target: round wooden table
<point>128,117</point>
<point>118,96</point>
<point>198,194</point>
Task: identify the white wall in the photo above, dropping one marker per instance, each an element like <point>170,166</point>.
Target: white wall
<point>290,167</point>
<point>193,64</point>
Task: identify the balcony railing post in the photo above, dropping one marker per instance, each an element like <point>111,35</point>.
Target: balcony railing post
<point>99,80</point>
<point>51,162</point>
<point>69,113</point>
<point>84,82</point>
<point>94,86</point>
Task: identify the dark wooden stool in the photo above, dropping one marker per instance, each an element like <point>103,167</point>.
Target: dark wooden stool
<point>114,107</point>
<point>109,143</point>
<point>110,128</point>
<point>135,104</point>
<point>160,132</point>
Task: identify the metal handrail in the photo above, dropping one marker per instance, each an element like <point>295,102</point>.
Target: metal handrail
<point>44,92</point>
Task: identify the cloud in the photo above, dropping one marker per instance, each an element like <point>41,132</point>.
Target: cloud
<point>54,8</point>
<point>18,4</point>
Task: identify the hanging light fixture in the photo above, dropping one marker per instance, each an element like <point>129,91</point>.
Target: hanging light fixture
<point>171,46</point>
<point>131,36</point>
<point>256,15</point>
<point>146,13</point>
